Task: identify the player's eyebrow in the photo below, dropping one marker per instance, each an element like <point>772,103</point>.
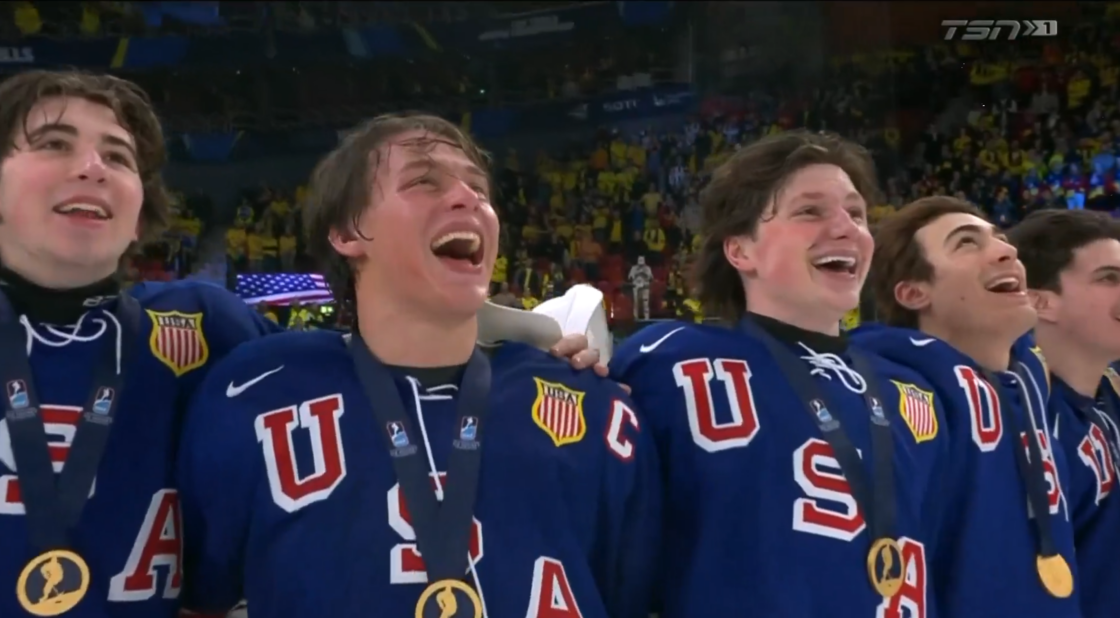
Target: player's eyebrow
<point>1107,269</point>
<point>415,164</point>
<point>815,195</point>
<point>71,130</point>
<point>964,229</point>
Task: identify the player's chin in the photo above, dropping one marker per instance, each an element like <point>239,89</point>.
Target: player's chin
<point>85,255</point>
<point>839,292</point>
<point>1016,319</point>
<point>834,301</point>
<point>463,297</point>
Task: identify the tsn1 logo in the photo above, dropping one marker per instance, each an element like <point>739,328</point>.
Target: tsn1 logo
<point>989,30</point>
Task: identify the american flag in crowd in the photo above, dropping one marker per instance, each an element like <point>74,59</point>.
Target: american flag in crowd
<point>282,287</point>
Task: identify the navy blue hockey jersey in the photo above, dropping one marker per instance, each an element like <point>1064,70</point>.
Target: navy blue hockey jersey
<point>129,532</point>
<point>1089,436</point>
<point>988,569</point>
<point>759,519</point>
<point>291,500</point>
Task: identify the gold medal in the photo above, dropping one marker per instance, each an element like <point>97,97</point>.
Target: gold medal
<point>883,562</point>
<point>1055,575</point>
<point>52,583</point>
<point>447,601</point>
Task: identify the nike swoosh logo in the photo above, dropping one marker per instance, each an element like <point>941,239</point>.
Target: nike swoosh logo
<point>233,391</point>
<point>921,342</point>
<point>653,346</point>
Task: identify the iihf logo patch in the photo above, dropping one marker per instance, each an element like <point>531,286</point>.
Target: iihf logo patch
<point>17,394</point>
<point>469,429</point>
<point>468,434</point>
<point>397,435</point>
<point>821,411</point>
<point>877,415</point>
<point>103,403</point>
<point>824,417</point>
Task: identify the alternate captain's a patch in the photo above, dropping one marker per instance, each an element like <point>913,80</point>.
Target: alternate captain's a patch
<point>917,409</point>
<point>178,341</point>
<point>558,410</point>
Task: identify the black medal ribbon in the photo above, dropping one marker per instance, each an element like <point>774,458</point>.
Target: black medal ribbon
<point>875,496</point>
<point>443,529</point>
<point>1031,470</point>
<point>54,503</point>
<point>1106,402</point>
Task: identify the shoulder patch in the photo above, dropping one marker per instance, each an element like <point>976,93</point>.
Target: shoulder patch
<point>177,340</point>
<point>558,410</point>
<point>1113,380</point>
<point>917,409</point>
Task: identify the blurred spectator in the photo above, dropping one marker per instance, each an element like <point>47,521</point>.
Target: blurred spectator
<point>640,277</point>
<point>505,297</point>
<point>27,18</point>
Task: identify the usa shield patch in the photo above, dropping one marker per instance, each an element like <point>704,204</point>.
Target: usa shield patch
<point>915,405</point>
<point>177,340</point>
<point>558,410</point>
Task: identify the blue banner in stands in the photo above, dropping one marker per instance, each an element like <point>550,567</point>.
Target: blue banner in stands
<point>151,52</point>
<point>562,115</point>
<point>195,12</point>
<point>43,52</point>
<point>374,41</point>
<point>639,104</point>
<point>540,28</point>
<point>211,147</point>
<point>646,12</point>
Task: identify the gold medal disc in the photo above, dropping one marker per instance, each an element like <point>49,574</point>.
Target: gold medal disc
<point>52,583</point>
<point>1055,575</point>
<point>446,599</point>
<point>882,561</point>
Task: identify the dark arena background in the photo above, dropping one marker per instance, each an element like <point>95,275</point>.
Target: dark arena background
<point>604,118</point>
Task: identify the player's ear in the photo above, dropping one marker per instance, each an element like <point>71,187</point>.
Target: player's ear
<point>1046,303</point>
<point>912,295</point>
<point>738,251</point>
<point>346,242</point>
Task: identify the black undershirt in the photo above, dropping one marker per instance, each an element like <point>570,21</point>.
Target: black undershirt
<point>792,335</point>
<point>45,305</point>
<point>430,377</point>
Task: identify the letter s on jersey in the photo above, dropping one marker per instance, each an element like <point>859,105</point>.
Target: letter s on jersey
<point>1055,495</point>
<point>319,417</point>
<point>406,566</point>
<point>817,473</point>
<point>60,424</point>
<point>710,433</point>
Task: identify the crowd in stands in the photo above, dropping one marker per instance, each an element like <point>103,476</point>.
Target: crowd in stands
<point>1012,128</point>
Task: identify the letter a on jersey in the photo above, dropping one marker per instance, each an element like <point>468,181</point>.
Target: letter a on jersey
<point>177,340</point>
<point>558,410</point>
<point>916,407</point>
